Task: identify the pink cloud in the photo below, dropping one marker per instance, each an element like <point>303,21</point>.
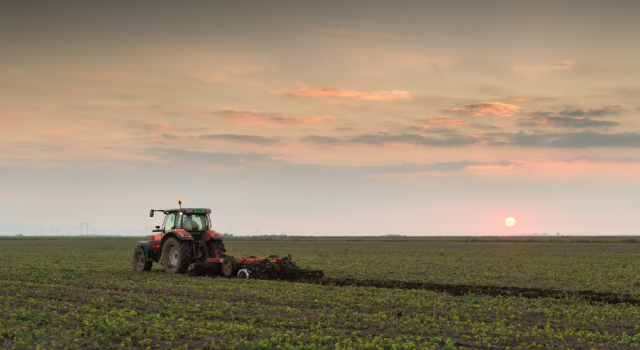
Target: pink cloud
<point>171,136</point>
<point>392,95</point>
<point>252,117</point>
<point>480,109</point>
<point>300,120</point>
<point>235,112</point>
<point>246,121</point>
<point>495,166</point>
<point>452,122</point>
<point>519,98</point>
<point>433,129</point>
<point>446,121</point>
<point>160,127</point>
<point>534,70</point>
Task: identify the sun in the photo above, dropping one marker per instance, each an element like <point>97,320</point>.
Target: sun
<point>509,221</point>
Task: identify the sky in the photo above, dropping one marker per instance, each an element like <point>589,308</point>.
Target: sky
<point>323,118</point>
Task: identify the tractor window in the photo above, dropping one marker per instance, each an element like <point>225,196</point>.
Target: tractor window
<point>193,222</point>
<point>200,222</point>
<point>169,222</point>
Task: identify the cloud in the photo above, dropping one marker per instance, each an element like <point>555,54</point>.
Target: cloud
<point>488,127</point>
<point>246,117</point>
<point>381,139</point>
<point>575,118</point>
<point>416,168</point>
<point>432,129</point>
<point>440,121</point>
<point>392,95</point>
<point>240,138</point>
<point>321,139</point>
<point>569,122</point>
<point>593,139</point>
<point>606,110</point>
<point>446,121</point>
<point>520,98</point>
<point>537,69</point>
<point>204,158</point>
<point>171,136</point>
<point>299,120</point>
<point>241,113</point>
<point>480,109</point>
<point>585,139</point>
<point>413,169</point>
<point>449,122</point>
<point>160,127</point>
<point>251,117</point>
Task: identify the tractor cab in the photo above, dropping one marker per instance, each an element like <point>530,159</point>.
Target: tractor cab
<point>196,221</point>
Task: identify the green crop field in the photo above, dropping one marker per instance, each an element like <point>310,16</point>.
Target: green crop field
<point>84,294</point>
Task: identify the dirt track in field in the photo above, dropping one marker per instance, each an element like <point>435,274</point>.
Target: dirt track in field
<point>455,289</point>
<point>466,289</point>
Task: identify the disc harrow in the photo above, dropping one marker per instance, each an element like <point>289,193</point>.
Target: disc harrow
<point>271,268</point>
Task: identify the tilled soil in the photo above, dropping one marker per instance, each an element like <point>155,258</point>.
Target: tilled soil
<point>452,289</point>
<point>466,289</point>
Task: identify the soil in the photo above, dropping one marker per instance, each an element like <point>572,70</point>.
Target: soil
<point>466,289</point>
<point>315,277</point>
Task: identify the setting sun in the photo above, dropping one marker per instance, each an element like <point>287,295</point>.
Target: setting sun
<point>510,221</point>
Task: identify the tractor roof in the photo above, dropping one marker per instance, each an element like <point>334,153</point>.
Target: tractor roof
<point>189,210</point>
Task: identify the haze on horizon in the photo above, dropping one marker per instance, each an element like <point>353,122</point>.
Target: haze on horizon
<point>363,116</point>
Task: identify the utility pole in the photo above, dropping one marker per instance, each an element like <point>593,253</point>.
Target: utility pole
<point>81,227</point>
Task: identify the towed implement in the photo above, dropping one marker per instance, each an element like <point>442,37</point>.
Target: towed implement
<point>273,267</point>
<point>186,239</point>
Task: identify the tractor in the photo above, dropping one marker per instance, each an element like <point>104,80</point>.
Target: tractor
<point>186,238</point>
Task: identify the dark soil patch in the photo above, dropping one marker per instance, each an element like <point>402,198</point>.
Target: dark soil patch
<point>466,289</point>
<point>315,277</point>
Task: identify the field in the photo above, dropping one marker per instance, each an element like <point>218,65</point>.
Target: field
<point>83,293</point>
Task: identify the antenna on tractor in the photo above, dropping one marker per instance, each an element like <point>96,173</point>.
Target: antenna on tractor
<point>180,203</point>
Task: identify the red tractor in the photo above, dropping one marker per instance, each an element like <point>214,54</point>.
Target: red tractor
<point>186,238</point>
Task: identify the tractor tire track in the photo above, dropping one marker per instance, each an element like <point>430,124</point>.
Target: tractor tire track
<point>467,289</point>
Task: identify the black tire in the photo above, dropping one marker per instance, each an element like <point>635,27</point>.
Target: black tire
<point>215,270</point>
<point>229,267</point>
<point>176,256</point>
<point>140,262</point>
<point>213,245</point>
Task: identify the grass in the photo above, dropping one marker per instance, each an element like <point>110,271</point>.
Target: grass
<point>83,293</point>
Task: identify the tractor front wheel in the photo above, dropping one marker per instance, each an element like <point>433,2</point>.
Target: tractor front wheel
<point>229,267</point>
<point>176,256</point>
<point>140,262</point>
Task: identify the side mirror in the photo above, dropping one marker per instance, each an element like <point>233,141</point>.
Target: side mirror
<point>157,227</point>
<point>151,214</point>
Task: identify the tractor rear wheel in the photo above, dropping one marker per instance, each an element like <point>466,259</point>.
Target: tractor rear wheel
<point>140,262</point>
<point>176,256</point>
<point>212,246</point>
<point>229,267</point>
